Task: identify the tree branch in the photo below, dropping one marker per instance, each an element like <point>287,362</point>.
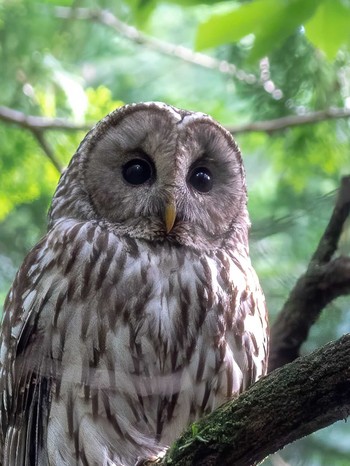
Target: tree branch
<point>185,54</point>
<point>31,122</point>
<point>323,281</point>
<point>37,125</point>
<point>277,124</point>
<point>296,400</point>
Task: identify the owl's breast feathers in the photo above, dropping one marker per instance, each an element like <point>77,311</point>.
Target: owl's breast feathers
<point>112,344</point>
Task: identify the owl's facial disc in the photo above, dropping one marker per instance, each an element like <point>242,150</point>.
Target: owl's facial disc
<point>163,174</point>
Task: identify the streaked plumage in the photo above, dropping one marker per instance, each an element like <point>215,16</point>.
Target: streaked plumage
<point>116,333</point>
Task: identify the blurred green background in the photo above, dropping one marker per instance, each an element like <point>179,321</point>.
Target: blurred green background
<point>256,60</point>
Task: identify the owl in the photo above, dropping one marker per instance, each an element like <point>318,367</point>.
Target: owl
<point>139,311</point>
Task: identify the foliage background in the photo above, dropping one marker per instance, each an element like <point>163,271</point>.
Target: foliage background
<point>55,65</point>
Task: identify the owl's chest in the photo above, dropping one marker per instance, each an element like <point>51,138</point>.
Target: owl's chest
<point>169,293</point>
<point>155,328</point>
<point>155,300</point>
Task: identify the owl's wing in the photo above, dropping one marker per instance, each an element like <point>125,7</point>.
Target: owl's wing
<point>36,321</point>
<point>24,389</point>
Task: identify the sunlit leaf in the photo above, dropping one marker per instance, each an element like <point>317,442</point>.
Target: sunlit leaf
<point>271,21</point>
<point>329,28</point>
<point>100,103</point>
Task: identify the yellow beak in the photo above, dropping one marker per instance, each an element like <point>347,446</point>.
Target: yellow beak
<point>170,215</point>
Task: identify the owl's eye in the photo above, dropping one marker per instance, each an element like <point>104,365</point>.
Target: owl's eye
<point>201,179</point>
<point>137,171</point>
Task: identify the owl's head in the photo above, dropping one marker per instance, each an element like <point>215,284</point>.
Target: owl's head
<point>156,172</point>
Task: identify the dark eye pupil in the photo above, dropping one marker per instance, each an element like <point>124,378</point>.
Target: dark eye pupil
<point>137,171</point>
<point>201,179</point>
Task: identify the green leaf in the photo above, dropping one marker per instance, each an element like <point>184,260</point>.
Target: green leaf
<point>329,28</point>
<point>141,10</point>
<point>271,21</point>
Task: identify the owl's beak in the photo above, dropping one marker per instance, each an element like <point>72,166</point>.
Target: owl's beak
<point>170,215</point>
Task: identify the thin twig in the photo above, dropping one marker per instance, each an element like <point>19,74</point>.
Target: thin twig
<point>31,122</point>
<point>185,54</point>
<point>40,137</point>
<point>277,124</point>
